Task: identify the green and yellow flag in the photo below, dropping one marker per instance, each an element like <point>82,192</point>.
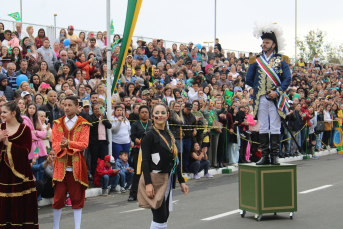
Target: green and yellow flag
<point>228,97</point>
<point>112,27</point>
<point>133,8</point>
<point>16,16</point>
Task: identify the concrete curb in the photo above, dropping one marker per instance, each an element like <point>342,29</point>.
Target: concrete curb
<point>92,192</point>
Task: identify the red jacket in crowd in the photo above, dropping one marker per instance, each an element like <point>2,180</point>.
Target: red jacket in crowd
<point>101,170</point>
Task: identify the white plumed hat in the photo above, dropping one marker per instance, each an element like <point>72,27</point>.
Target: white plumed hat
<point>272,31</point>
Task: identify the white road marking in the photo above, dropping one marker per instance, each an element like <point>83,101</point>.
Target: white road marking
<point>140,209</point>
<point>316,189</point>
<point>222,215</point>
<point>134,210</point>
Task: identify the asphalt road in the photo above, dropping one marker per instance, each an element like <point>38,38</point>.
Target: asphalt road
<point>320,208</point>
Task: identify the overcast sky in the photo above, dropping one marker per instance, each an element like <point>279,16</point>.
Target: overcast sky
<point>191,20</point>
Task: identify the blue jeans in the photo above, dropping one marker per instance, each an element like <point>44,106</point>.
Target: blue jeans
<point>304,135</point>
<point>116,148</point>
<point>106,180</point>
<point>233,153</point>
<point>178,145</point>
<point>125,178</point>
<point>318,140</point>
<point>332,135</point>
<point>197,166</point>
<point>186,153</point>
<point>286,143</point>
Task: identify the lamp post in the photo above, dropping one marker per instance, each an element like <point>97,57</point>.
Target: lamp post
<point>21,10</point>
<point>55,15</point>
<point>295,39</point>
<point>108,75</point>
<point>215,21</point>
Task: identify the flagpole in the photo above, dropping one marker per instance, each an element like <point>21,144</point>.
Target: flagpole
<point>108,78</point>
<point>21,11</point>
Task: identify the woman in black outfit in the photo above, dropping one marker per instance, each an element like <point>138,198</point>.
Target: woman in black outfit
<point>159,154</point>
<point>98,139</point>
<point>138,128</point>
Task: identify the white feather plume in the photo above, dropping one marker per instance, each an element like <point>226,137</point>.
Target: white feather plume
<point>270,27</point>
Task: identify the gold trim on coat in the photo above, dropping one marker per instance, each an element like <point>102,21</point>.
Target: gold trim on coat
<point>16,194</point>
<point>11,165</point>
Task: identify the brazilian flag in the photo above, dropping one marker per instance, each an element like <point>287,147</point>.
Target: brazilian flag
<point>228,97</point>
<point>16,16</point>
<point>133,8</point>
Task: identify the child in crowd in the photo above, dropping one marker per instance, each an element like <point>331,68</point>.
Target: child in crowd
<point>256,155</point>
<point>311,145</point>
<point>126,172</point>
<point>206,138</point>
<point>106,176</point>
<point>60,81</point>
<point>241,117</point>
<point>14,42</point>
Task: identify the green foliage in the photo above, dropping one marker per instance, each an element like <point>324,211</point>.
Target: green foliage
<point>313,43</point>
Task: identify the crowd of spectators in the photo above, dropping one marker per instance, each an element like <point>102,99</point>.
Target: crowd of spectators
<point>193,83</point>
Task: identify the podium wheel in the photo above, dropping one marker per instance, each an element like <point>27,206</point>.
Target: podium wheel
<point>243,212</point>
<point>291,215</point>
<point>259,217</point>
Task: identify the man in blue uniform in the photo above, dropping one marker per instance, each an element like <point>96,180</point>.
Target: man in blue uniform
<point>269,75</point>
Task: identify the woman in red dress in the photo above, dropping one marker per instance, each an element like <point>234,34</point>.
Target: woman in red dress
<point>18,195</point>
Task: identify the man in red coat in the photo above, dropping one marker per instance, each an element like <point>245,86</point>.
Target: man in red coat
<point>70,135</point>
<point>105,175</point>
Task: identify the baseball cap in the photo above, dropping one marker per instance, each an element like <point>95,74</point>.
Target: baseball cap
<point>139,58</point>
<point>24,93</point>
<point>189,106</point>
<point>70,27</point>
<point>129,56</point>
<point>145,92</point>
<point>190,43</point>
<point>110,159</point>
<point>201,72</point>
<point>140,81</point>
<point>188,62</point>
<point>159,86</point>
<point>137,67</point>
<point>85,103</point>
<point>29,44</point>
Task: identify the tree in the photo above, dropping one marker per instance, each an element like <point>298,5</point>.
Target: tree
<point>314,43</point>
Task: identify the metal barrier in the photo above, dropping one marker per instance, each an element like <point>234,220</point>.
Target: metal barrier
<point>53,34</point>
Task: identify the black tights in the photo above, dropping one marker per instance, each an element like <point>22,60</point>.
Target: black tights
<point>160,215</point>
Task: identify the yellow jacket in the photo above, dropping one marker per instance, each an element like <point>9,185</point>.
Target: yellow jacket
<point>340,116</point>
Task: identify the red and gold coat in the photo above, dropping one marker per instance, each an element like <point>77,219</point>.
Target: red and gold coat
<point>72,155</point>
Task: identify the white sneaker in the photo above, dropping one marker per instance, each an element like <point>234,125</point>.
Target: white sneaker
<point>104,192</point>
<point>122,190</point>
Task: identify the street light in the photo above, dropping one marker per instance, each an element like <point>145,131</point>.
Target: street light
<point>21,11</point>
<point>108,75</point>
<point>296,14</point>
<point>208,43</point>
<point>55,15</point>
<point>215,19</point>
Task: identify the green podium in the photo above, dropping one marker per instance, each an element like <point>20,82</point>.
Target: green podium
<point>267,189</point>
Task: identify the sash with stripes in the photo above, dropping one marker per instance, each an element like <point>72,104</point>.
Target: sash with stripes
<point>283,103</point>
<point>275,79</point>
<point>268,70</point>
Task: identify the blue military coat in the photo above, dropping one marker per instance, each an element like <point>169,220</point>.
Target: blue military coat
<point>261,83</point>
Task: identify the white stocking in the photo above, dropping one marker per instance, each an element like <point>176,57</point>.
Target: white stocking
<point>57,217</point>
